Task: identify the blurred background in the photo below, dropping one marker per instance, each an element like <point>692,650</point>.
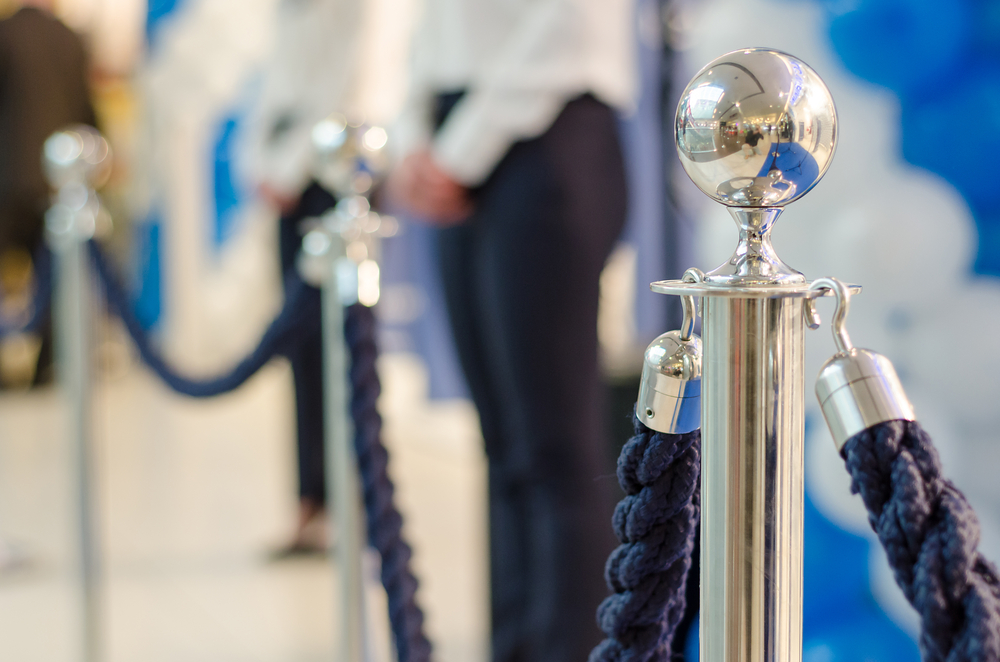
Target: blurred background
<point>194,495</point>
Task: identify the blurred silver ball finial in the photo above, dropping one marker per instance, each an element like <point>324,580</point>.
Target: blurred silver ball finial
<point>351,156</point>
<point>756,128</point>
<point>76,154</point>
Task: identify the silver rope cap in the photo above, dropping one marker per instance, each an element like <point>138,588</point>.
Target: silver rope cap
<point>857,388</point>
<point>670,390</point>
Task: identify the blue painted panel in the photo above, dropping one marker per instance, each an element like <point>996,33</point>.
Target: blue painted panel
<point>156,11</point>
<point>148,300</point>
<point>229,195</point>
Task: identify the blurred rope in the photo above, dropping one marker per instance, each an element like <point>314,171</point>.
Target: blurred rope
<point>384,521</point>
<point>41,301</point>
<point>930,534</point>
<point>655,523</point>
<point>298,318</point>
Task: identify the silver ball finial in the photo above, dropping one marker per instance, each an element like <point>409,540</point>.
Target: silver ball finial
<point>77,154</point>
<point>351,156</point>
<point>756,128</point>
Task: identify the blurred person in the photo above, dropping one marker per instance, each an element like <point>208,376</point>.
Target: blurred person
<point>750,142</point>
<point>43,88</point>
<point>511,149</point>
<point>308,76</point>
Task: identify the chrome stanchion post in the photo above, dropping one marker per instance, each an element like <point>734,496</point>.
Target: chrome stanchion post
<point>343,485</point>
<point>339,255</point>
<point>755,129</point>
<point>75,160</point>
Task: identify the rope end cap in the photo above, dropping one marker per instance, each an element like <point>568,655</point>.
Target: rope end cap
<point>858,389</point>
<point>670,390</point>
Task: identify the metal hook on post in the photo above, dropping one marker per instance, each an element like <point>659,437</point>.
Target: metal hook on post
<point>839,322</point>
<point>692,275</point>
<point>857,388</point>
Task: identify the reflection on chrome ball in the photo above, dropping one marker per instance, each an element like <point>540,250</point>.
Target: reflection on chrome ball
<point>756,128</point>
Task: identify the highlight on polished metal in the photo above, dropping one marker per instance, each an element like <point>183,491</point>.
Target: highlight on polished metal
<point>756,128</point>
<point>76,154</point>
<point>857,388</point>
<point>351,155</point>
<point>76,160</point>
<point>350,159</point>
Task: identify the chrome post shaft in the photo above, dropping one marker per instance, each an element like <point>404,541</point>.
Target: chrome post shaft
<point>73,342</point>
<point>752,479</point>
<point>343,486</point>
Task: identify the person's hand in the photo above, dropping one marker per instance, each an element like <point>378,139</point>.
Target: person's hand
<point>283,202</point>
<point>421,187</point>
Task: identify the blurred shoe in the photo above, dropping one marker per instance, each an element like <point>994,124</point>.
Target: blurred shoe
<point>311,537</point>
<point>13,557</point>
<point>298,550</point>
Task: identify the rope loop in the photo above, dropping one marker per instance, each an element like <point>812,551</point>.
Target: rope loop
<point>298,319</point>
<point>655,524</point>
<point>931,537</point>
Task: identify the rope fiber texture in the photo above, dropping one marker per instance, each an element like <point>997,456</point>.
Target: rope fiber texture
<point>655,523</point>
<point>931,535</point>
<point>385,524</point>
<point>299,317</point>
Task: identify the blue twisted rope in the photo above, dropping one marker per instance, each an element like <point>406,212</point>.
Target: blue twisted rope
<point>930,535</point>
<point>298,318</point>
<point>655,523</point>
<point>41,301</point>
<point>384,521</point>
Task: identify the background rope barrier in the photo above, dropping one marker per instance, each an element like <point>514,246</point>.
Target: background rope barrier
<point>298,318</point>
<point>930,534</point>
<point>656,523</point>
<point>41,301</point>
<point>384,521</point>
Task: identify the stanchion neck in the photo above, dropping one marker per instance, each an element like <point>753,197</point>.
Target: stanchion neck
<point>754,261</point>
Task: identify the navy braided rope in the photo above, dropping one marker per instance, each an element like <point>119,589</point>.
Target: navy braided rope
<point>299,317</point>
<point>384,521</point>
<point>930,534</point>
<point>655,523</point>
<point>41,302</point>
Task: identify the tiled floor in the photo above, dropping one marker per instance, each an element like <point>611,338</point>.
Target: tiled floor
<point>193,493</point>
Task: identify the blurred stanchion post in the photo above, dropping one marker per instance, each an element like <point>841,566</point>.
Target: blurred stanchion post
<point>77,160</point>
<point>339,255</point>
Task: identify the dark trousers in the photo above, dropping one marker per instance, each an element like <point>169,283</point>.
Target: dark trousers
<point>307,358</point>
<point>521,283</point>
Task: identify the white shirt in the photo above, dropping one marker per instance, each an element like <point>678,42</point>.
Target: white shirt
<point>309,75</point>
<point>520,62</point>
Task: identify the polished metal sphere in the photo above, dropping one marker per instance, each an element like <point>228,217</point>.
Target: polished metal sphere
<point>756,128</point>
<point>351,156</point>
<point>77,153</point>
